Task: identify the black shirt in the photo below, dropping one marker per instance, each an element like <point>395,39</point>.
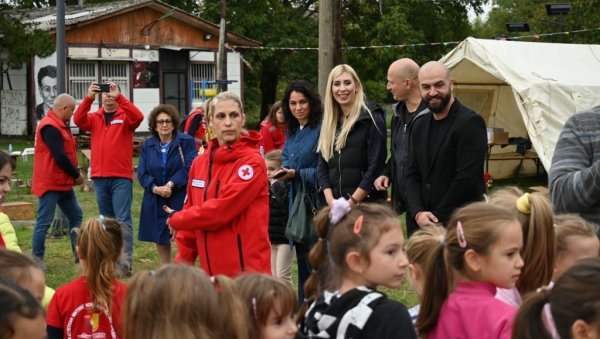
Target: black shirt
<point>54,141</point>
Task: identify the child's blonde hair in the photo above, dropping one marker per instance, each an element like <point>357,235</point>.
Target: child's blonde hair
<point>182,300</point>
<point>100,243</point>
<point>274,155</point>
<point>534,211</point>
<point>422,242</point>
<point>260,293</point>
<point>328,256</point>
<point>481,223</point>
<point>567,225</point>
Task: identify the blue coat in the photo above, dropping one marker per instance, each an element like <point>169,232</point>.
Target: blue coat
<point>300,153</point>
<point>150,172</point>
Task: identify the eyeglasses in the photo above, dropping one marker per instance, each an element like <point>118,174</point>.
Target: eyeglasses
<point>164,122</point>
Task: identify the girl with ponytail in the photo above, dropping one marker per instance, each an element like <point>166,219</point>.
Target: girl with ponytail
<point>574,303</point>
<point>479,253</point>
<point>534,212</point>
<point>90,306</point>
<point>358,250</point>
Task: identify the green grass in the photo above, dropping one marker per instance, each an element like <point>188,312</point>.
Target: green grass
<point>59,259</point>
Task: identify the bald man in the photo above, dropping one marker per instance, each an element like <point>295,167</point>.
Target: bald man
<point>403,84</point>
<point>55,172</point>
<point>448,154</point>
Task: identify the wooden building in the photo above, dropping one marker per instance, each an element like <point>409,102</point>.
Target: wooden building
<point>155,52</point>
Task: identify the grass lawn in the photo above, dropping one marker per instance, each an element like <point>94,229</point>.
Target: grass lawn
<point>59,259</point>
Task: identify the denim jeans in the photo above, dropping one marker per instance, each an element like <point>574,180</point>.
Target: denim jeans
<point>47,206</point>
<point>303,269</point>
<point>114,197</point>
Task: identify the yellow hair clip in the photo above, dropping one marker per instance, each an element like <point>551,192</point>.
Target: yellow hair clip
<point>523,204</point>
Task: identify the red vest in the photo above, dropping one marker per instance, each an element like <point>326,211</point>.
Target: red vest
<point>47,175</point>
<point>200,134</point>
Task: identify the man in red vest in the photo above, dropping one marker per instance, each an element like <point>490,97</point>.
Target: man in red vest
<point>55,172</point>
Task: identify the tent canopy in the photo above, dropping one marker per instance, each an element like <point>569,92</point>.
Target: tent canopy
<point>528,88</point>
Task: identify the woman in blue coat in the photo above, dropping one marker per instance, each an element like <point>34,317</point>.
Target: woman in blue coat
<point>302,112</point>
<point>163,168</point>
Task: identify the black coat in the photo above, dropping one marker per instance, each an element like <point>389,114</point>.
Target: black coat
<point>401,152</point>
<point>360,161</point>
<point>454,177</point>
<point>278,213</point>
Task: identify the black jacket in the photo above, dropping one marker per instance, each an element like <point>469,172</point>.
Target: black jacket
<point>358,313</point>
<point>278,213</point>
<point>400,151</point>
<point>360,161</point>
<point>454,176</point>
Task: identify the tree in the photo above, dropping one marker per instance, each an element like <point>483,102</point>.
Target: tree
<point>400,23</point>
<point>583,15</point>
<point>275,23</point>
<point>13,33</point>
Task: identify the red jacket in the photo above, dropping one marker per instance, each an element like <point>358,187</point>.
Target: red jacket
<point>47,175</point>
<point>200,133</point>
<point>228,206</point>
<point>112,145</point>
<point>273,137</point>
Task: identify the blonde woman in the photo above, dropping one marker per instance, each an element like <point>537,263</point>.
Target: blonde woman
<point>352,143</point>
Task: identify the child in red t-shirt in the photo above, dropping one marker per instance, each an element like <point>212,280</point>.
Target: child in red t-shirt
<point>90,306</point>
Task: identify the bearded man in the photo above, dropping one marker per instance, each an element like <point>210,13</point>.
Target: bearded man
<point>448,152</point>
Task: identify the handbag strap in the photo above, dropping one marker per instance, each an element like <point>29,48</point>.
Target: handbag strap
<point>308,197</point>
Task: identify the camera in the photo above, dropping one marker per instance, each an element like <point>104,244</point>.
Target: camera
<point>104,88</point>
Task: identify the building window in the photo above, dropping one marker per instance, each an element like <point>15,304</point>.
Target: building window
<point>117,72</point>
<point>202,72</point>
<point>83,73</point>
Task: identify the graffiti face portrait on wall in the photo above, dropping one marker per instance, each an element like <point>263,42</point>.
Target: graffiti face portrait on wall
<point>47,86</point>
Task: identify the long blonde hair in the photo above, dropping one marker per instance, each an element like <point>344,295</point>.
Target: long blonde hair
<point>333,113</point>
<point>100,243</point>
<point>534,211</point>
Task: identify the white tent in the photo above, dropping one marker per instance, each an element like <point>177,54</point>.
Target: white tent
<point>527,88</point>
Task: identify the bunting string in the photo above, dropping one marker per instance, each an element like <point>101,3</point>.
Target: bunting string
<point>446,43</point>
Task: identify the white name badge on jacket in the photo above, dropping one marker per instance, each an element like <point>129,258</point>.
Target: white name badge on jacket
<point>117,122</point>
<point>198,183</point>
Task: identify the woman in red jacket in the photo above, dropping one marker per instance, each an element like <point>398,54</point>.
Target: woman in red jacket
<point>228,197</point>
<point>272,129</point>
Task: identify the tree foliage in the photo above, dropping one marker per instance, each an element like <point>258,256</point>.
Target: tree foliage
<point>583,15</point>
<point>294,23</point>
<point>22,42</point>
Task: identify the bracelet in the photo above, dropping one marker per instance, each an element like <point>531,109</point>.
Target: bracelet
<point>354,201</point>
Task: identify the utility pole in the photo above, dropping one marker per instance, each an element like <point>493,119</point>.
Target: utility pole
<point>330,37</point>
<point>221,53</point>
<point>61,59</point>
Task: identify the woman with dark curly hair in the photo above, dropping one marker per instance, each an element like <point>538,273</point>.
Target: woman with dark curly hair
<point>165,161</point>
<point>302,112</point>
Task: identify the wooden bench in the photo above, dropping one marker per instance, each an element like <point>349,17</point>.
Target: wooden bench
<point>19,210</point>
